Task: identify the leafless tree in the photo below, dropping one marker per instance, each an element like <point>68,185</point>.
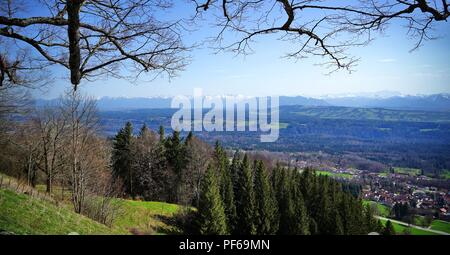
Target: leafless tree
<point>100,187</point>
<point>199,155</point>
<point>50,125</point>
<point>89,38</point>
<point>82,124</point>
<point>21,150</point>
<point>320,28</point>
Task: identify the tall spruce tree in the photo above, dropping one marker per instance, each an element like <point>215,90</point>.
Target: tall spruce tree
<point>211,213</point>
<point>226,185</point>
<point>176,158</point>
<point>300,221</point>
<point>245,205</point>
<point>234,171</point>
<point>285,202</point>
<point>372,224</point>
<point>266,220</point>
<point>144,130</point>
<point>161,134</point>
<point>121,157</point>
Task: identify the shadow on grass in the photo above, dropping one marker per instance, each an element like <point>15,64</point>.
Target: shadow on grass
<point>181,223</point>
<point>172,225</point>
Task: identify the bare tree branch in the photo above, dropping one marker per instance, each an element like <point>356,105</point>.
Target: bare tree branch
<point>92,37</point>
<point>321,29</point>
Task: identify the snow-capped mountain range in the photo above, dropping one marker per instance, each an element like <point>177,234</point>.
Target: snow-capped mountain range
<point>384,99</point>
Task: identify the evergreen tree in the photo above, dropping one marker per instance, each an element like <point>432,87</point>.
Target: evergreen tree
<point>337,226</point>
<point>144,130</point>
<point>266,222</point>
<point>307,186</point>
<point>325,219</point>
<point>300,222</point>
<point>285,202</point>
<point>277,184</point>
<point>389,229</point>
<point>176,158</point>
<point>245,205</point>
<point>234,171</point>
<point>121,157</point>
<point>371,222</point>
<point>151,180</point>
<point>226,185</point>
<point>161,134</point>
<point>211,213</point>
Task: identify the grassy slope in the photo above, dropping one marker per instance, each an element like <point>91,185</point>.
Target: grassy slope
<point>22,214</point>
<point>400,229</point>
<point>441,226</point>
<point>146,217</point>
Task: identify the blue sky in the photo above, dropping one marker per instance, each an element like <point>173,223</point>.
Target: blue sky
<point>385,64</point>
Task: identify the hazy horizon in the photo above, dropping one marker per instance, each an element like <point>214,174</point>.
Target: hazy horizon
<point>370,94</point>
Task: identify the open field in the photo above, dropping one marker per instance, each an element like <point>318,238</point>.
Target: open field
<point>408,171</point>
<point>382,210</point>
<point>331,174</point>
<point>441,226</point>
<point>402,229</point>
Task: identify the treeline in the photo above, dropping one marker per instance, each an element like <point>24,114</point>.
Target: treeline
<point>243,197</point>
<point>153,166</point>
<point>234,196</point>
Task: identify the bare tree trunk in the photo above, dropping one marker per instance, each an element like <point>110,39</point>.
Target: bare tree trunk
<point>62,190</point>
<point>49,183</point>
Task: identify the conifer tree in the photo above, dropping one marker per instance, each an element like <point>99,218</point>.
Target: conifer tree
<point>370,221</point>
<point>226,185</point>
<point>176,158</point>
<point>234,171</point>
<point>389,229</point>
<point>286,205</point>
<point>337,227</point>
<point>245,205</point>
<point>300,221</point>
<point>121,157</point>
<point>325,211</point>
<point>211,213</point>
<point>143,131</point>
<point>266,222</point>
<point>276,180</point>
<point>161,134</point>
